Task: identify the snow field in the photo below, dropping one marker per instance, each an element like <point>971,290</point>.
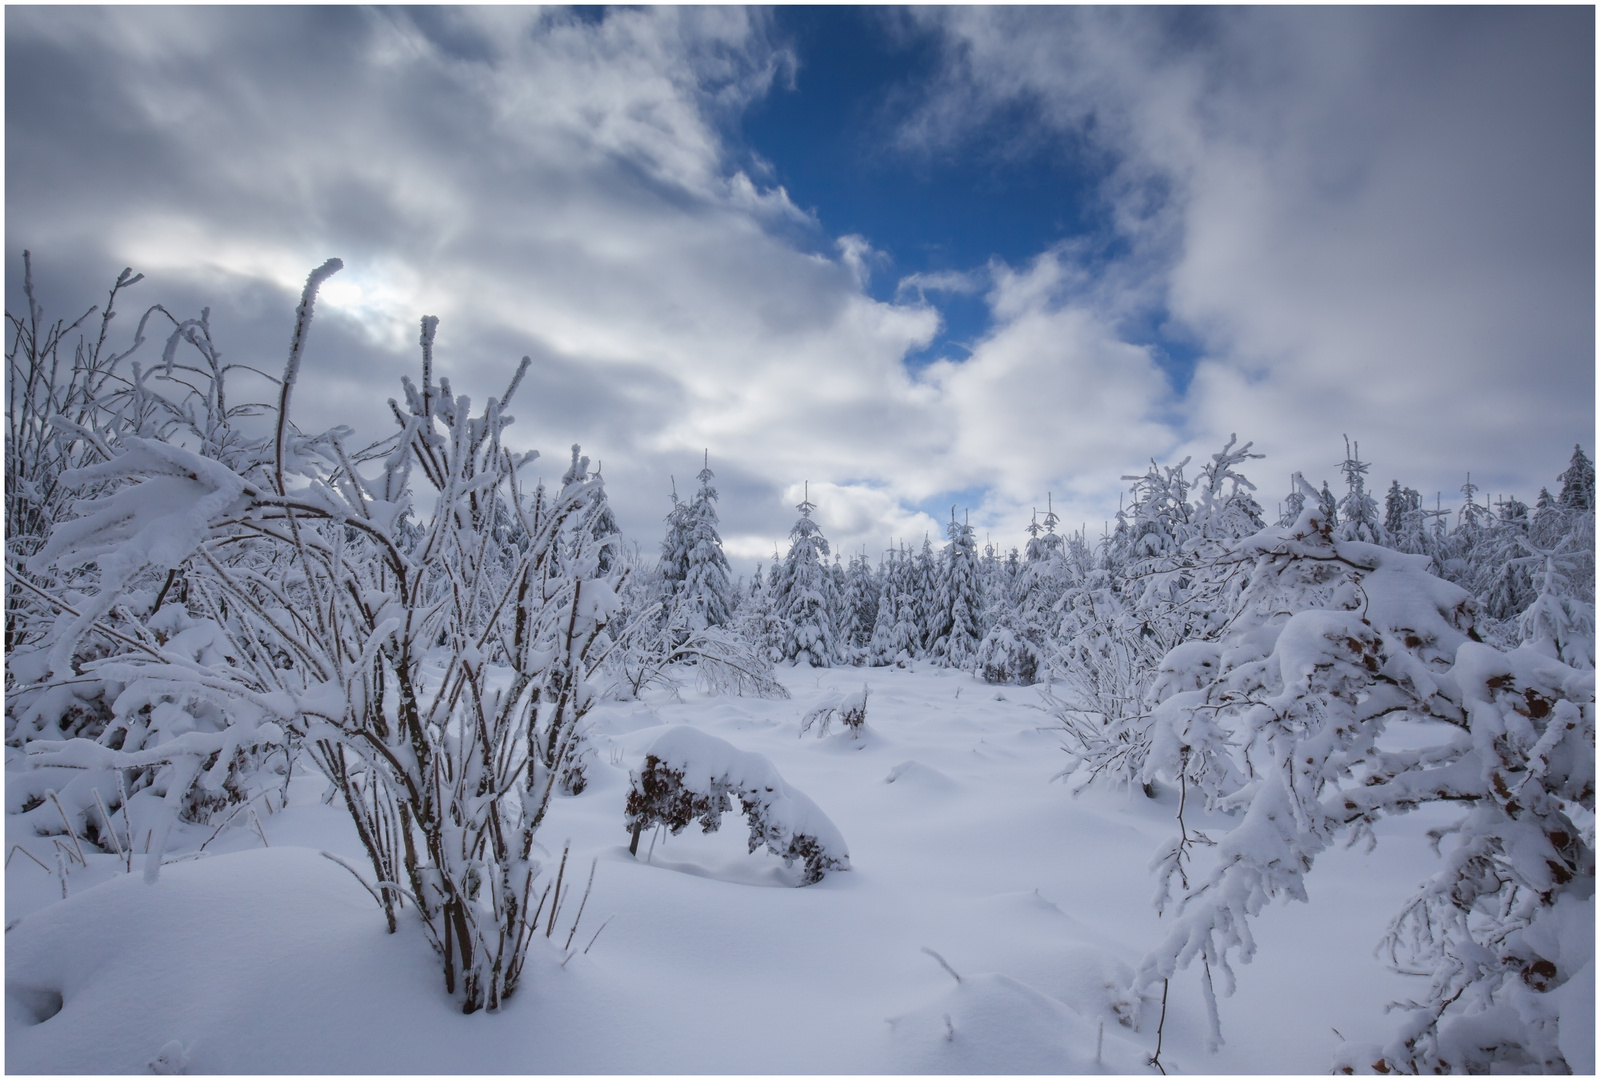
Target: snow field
<point>275,960</point>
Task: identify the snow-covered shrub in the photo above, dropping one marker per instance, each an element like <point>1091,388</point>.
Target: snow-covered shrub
<point>1278,720</point>
<point>724,661</point>
<point>1168,579</point>
<point>1510,915</point>
<point>437,670</point>
<point>848,707</point>
<point>727,663</point>
<point>96,590</point>
<point>50,399</point>
<point>690,776</point>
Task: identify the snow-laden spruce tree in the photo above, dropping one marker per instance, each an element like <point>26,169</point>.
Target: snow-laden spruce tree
<point>674,564</point>
<point>1280,721</point>
<point>994,581</point>
<point>437,678</point>
<point>1555,553</point>
<point>1014,649</point>
<point>1329,505</point>
<point>959,601</point>
<point>765,623</point>
<point>839,613</point>
<point>1293,504</point>
<point>922,585</point>
<point>598,521</point>
<point>804,595</point>
<point>1577,482</point>
<point>687,616</point>
<point>859,609</point>
<point>1504,565</point>
<point>1560,620</point>
<point>754,612</point>
<point>1578,515</point>
<point>894,628</point>
<point>1404,521</point>
<point>1358,510</point>
<point>707,593</point>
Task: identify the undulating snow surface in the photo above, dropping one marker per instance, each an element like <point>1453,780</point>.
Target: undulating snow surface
<point>264,956</point>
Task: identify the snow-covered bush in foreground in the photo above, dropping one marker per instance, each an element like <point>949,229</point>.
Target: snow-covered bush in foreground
<point>65,420</point>
<point>49,401</point>
<point>1279,721</point>
<point>437,671</point>
<point>689,775</point>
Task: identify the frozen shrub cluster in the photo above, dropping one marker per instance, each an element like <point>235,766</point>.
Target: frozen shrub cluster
<point>723,661</point>
<point>227,597</point>
<point>849,708</point>
<point>1278,721</point>
<point>691,776</point>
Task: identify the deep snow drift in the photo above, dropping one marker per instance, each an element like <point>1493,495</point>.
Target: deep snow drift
<point>264,956</point>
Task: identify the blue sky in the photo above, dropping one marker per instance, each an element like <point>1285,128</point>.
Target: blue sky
<point>827,134</point>
<point>910,256</point>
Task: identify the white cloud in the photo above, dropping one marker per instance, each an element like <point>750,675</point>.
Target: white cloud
<point>1356,255</point>
<point>546,184</point>
<point>1378,221</point>
<point>955,282</point>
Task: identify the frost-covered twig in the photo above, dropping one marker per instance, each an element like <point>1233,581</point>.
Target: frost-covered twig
<point>330,856</point>
<point>582,903</point>
<point>942,963</point>
<point>291,371</point>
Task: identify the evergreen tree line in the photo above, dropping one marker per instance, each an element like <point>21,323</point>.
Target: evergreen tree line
<point>1061,605</point>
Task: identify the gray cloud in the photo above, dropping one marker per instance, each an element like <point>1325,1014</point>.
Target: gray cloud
<point>547,184</point>
<point>1376,222</point>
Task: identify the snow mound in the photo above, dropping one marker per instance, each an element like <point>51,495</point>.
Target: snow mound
<point>126,976</point>
<point>1034,940</point>
<point>915,776</point>
<point>622,720</point>
<point>991,1023</point>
